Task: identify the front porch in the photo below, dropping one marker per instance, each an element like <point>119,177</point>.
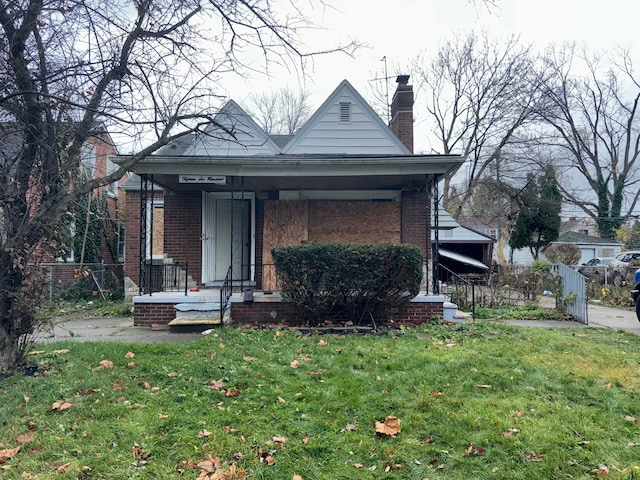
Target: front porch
<point>249,307</point>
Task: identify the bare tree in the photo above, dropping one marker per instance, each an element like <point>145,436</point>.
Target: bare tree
<point>282,112</point>
<point>144,68</point>
<point>595,136</point>
<point>479,94</point>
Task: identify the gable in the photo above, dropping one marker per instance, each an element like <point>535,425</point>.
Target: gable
<point>345,124</point>
<point>248,138</point>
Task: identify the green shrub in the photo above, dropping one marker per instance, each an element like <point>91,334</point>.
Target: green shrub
<point>343,282</point>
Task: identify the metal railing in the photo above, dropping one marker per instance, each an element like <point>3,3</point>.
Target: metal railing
<point>167,277</point>
<point>226,290</point>
<point>461,290</point>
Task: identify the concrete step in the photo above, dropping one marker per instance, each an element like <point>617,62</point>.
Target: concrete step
<point>192,321</point>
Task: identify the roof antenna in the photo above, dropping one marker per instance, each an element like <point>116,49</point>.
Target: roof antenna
<point>386,82</point>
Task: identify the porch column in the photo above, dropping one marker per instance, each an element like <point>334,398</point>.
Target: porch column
<point>436,240</point>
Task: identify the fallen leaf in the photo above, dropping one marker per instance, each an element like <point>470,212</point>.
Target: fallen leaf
<point>36,352</point>
<point>483,386</point>
<point>358,465</point>
<point>130,355</point>
<point>350,426</point>
<point>390,426</point>
<point>322,343</point>
<point>25,438</point>
<point>117,385</point>
<point>579,335</point>
<point>296,477</point>
<point>62,352</point>
<point>61,405</point>
<point>232,393</point>
<point>162,415</point>
<point>279,440</point>
<point>8,453</point>
<point>249,359</point>
<point>222,345</point>
<point>228,429</point>
<point>204,433</point>
<point>30,425</point>
<point>534,457</point>
<point>629,418</point>
<point>281,400</point>
<point>61,468</point>
<point>436,393</point>
<point>87,391</point>
<point>216,385</point>
<point>295,364</point>
<point>105,364</point>
<point>305,438</point>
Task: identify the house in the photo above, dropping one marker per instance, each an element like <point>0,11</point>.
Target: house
<point>590,246</point>
<point>463,251</point>
<point>227,196</point>
<point>109,241</point>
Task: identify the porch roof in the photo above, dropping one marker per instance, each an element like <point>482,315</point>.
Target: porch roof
<point>300,171</point>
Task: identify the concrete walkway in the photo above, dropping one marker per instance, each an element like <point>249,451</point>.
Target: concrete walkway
<point>80,328</point>
<point>598,316</point>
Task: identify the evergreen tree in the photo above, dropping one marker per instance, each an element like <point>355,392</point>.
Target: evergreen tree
<point>538,220</point>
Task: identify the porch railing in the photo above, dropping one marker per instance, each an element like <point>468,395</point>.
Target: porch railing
<point>461,290</point>
<point>167,277</point>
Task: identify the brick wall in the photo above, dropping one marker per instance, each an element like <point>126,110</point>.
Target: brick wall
<point>146,314</point>
<point>132,236</point>
<point>183,230</point>
<point>415,211</point>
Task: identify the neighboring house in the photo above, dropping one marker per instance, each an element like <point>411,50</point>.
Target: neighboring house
<point>591,247</point>
<point>227,201</point>
<point>462,250</point>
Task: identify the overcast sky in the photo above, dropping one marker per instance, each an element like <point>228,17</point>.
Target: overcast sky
<point>402,29</point>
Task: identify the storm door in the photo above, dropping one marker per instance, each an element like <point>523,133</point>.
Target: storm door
<point>226,233</point>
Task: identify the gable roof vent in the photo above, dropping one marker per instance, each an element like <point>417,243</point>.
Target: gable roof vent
<point>345,112</point>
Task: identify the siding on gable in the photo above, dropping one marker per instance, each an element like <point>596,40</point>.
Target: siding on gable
<point>360,135</point>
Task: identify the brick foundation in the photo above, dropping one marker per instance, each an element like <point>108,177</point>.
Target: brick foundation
<point>146,314</point>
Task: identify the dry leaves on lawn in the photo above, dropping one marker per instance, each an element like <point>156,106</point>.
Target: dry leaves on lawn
<point>390,426</point>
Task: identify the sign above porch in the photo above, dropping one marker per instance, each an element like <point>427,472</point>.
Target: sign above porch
<point>217,179</point>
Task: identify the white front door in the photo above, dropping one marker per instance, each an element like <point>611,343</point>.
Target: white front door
<point>226,233</point>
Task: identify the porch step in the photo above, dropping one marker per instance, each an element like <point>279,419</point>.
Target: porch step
<point>191,321</point>
<point>452,314</point>
<point>200,313</point>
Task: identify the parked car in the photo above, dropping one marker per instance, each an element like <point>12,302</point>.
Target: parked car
<point>621,267</point>
<point>635,293</point>
<point>595,266</point>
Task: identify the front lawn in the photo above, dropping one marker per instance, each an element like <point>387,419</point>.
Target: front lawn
<point>473,402</point>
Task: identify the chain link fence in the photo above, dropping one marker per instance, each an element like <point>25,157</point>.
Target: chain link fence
<point>75,280</point>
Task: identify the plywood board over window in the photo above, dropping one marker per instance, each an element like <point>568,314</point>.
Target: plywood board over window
<point>285,224</point>
<point>354,222</point>
<point>158,230</point>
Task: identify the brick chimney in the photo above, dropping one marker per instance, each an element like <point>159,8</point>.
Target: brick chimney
<point>402,111</point>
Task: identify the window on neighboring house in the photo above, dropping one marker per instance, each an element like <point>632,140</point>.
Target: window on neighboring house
<point>112,188</point>
<point>69,254</point>
<point>88,158</point>
<point>121,238</point>
<point>345,112</point>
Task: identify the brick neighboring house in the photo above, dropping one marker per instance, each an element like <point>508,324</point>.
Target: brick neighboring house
<point>215,205</point>
<point>96,159</point>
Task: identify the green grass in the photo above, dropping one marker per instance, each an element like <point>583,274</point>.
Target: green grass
<point>475,401</point>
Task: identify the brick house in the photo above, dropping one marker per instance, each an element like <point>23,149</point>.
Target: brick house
<point>214,205</point>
